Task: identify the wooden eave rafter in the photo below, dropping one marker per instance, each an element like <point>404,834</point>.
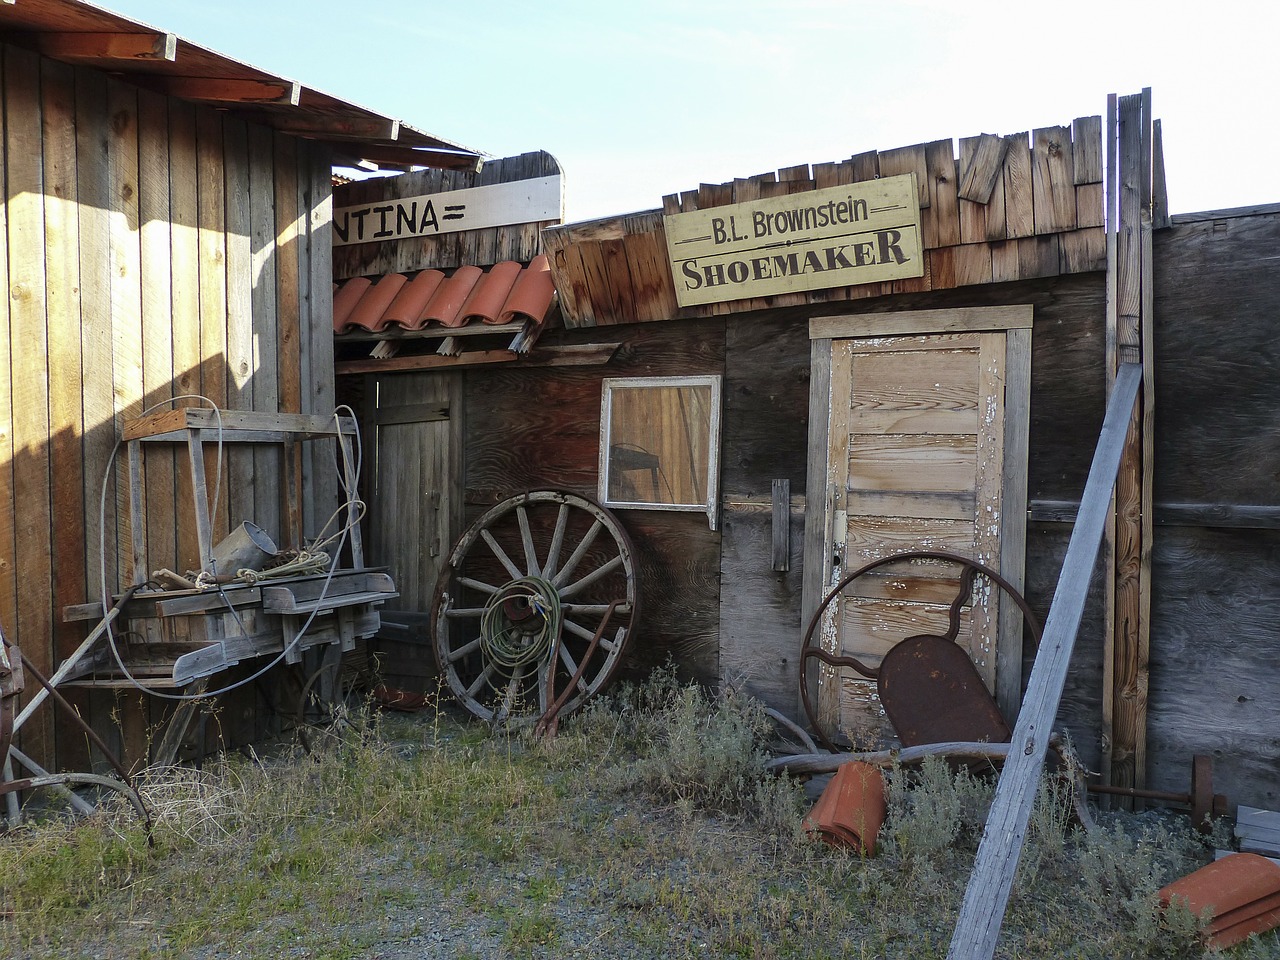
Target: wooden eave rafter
<point>79,33</point>
<point>103,49</point>
<point>223,90</point>
<point>406,158</point>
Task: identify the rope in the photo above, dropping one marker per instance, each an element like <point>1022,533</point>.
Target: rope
<point>509,641</point>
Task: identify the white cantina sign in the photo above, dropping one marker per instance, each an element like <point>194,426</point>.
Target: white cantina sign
<point>496,205</point>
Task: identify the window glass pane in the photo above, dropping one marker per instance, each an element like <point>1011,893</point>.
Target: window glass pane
<point>660,444</point>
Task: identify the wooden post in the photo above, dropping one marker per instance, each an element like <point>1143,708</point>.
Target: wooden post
<point>987,895</point>
<point>1128,621</point>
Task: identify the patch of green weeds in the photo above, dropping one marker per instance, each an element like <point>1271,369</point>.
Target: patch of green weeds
<point>649,817</point>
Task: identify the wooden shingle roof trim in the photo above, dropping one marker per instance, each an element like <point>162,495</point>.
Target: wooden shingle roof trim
<point>1004,208</point>
<point>80,33</point>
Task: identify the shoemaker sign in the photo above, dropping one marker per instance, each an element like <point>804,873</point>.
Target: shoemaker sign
<point>837,237</point>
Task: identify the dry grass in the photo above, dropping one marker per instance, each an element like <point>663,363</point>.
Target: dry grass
<point>645,829</point>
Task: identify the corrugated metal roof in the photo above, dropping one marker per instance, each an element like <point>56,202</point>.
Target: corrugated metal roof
<point>506,293</point>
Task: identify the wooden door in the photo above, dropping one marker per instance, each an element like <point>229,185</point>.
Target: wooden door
<point>925,449</point>
<point>414,495</point>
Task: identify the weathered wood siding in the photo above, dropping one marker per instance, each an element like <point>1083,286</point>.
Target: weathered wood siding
<point>529,428</point>
<point>153,250</point>
<point>1000,209</point>
<point>1215,631</point>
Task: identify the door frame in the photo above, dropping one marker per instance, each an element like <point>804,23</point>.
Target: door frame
<point>1016,322</point>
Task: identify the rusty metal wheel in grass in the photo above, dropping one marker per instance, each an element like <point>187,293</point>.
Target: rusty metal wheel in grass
<point>326,707</point>
<point>534,607</point>
<point>927,685</point>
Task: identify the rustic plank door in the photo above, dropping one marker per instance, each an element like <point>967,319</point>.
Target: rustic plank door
<point>924,450</point>
<point>414,495</point>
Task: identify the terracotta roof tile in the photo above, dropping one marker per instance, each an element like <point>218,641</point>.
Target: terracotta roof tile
<point>487,299</point>
<point>446,306</point>
<point>410,303</point>
<point>532,293</point>
<point>506,293</point>
<point>345,299</point>
<point>368,313</point>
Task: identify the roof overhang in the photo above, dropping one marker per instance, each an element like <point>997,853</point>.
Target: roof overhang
<point>80,33</point>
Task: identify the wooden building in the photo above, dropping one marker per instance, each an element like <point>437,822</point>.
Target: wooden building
<point>955,406</point>
<point>166,229</point>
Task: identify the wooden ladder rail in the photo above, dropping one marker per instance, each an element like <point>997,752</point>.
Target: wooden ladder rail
<point>987,894</point>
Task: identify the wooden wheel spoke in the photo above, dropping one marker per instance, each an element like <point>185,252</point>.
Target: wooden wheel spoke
<point>575,558</point>
<point>557,542</point>
<point>596,609</point>
<point>580,631</point>
<point>464,613</point>
<point>462,651</point>
<point>513,686</point>
<point>526,540</point>
<point>544,674</point>
<point>572,666</point>
<point>480,681</point>
<point>601,571</point>
<point>501,554</point>
<point>577,630</point>
<point>477,585</point>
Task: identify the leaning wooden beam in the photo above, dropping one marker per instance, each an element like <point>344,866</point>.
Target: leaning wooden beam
<point>987,895</point>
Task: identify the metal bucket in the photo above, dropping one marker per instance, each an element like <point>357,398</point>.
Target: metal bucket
<point>247,547</point>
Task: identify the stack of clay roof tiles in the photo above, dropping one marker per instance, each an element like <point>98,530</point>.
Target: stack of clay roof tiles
<point>1240,894</point>
<point>506,293</point>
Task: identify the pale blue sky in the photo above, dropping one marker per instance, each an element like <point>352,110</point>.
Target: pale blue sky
<point>641,99</point>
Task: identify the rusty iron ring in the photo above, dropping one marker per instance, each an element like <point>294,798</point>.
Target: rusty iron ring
<point>807,651</point>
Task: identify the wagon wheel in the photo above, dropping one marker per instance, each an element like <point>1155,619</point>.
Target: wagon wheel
<point>969,569</point>
<point>535,607</point>
<point>325,706</point>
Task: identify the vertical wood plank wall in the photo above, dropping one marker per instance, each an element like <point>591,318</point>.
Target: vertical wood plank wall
<point>153,249</point>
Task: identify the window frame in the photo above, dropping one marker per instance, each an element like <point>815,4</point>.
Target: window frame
<point>710,505</point>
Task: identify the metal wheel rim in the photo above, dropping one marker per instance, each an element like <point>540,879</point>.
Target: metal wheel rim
<point>808,651</point>
<point>550,538</point>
